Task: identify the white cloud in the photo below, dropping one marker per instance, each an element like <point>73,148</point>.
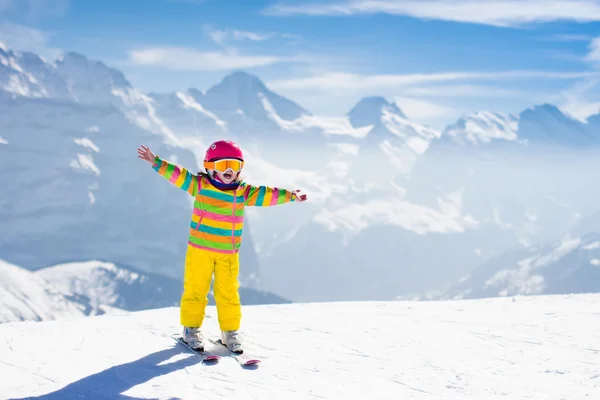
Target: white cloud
<point>594,53</point>
<point>489,12</point>
<point>33,9</point>
<point>178,58</point>
<point>582,99</point>
<point>353,82</point>
<point>23,38</point>
<point>461,90</point>
<point>570,37</point>
<point>221,36</point>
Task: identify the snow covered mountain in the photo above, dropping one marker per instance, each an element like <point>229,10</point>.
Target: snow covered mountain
<point>393,143</point>
<point>533,173</point>
<point>26,296</point>
<point>89,196</point>
<point>93,288</point>
<point>536,347</point>
<point>483,127</point>
<point>70,133</point>
<point>381,187</point>
<point>571,265</point>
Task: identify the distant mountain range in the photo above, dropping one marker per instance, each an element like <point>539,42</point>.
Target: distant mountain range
<point>93,288</point>
<point>571,265</point>
<point>395,207</point>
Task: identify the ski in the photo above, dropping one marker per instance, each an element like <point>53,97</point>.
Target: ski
<point>206,357</point>
<point>242,358</point>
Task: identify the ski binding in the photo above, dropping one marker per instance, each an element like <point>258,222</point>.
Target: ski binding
<point>242,358</point>
<point>206,357</point>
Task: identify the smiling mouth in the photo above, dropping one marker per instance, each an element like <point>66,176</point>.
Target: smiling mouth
<point>227,175</point>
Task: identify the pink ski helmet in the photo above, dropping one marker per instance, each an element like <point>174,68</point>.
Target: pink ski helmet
<point>223,149</point>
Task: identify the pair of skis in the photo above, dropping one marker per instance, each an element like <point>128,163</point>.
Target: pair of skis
<point>242,358</point>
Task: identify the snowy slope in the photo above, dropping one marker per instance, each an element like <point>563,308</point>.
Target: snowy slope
<point>26,296</point>
<point>483,127</point>
<point>570,265</point>
<point>525,348</point>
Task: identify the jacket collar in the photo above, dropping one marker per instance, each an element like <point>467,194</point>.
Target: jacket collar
<point>223,186</point>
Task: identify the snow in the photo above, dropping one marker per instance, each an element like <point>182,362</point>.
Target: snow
<point>95,280</point>
<point>524,279</point>
<point>417,136</point>
<point>85,142</point>
<point>85,162</point>
<point>3,141</point>
<point>329,125</point>
<point>25,296</point>
<point>452,203</point>
<point>530,216</point>
<point>485,126</point>
<point>15,85</point>
<point>568,265</point>
<point>419,219</point>
<point>189,102</point>
<point>347,148</point>
<point>140,110</point>
<point>532,348</point>
<point>592,246</point>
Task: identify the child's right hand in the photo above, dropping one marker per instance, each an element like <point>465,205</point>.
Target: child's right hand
<point>146,154</point>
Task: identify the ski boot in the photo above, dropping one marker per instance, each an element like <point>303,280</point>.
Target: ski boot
<point>194,338</point>
<point>233,341</point>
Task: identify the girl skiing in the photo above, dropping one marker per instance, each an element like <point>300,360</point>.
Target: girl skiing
<point>215,235</point>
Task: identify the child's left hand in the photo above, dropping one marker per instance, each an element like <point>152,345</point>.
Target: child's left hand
<point>300,197</point>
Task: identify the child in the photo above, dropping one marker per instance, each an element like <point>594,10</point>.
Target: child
<point>215,236</point>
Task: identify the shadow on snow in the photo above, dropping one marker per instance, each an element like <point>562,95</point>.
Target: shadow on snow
<point>110,383</point>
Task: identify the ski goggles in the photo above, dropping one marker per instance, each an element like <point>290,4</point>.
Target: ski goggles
<point>225,164</point>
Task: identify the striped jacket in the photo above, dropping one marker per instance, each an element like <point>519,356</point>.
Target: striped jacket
<point>218,215</point>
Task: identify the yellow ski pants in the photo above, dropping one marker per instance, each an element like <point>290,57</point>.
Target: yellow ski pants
<point>199,268</point>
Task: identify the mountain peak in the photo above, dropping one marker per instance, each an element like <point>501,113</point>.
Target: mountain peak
<point>243,79</point>
<point>239,82</point>
<point>241,91</point>
<point>546,109</point>
<point>547,123</point>
<point>369,109</point>
<point>90,73</point>
<point>74,57</point>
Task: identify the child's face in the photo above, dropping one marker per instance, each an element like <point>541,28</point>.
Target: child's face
<point>227,177</point>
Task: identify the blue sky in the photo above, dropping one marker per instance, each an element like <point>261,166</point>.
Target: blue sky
<point>437,59</point>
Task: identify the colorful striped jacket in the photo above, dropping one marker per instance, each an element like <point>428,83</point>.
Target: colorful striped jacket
<point>218,215</point>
